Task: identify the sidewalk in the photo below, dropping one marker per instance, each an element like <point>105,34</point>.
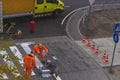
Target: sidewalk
<point>104,44</point>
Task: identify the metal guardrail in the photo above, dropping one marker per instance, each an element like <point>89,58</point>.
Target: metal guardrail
<point>84,13</point>
<point>97,8</point>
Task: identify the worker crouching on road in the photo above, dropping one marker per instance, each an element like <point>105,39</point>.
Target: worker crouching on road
<point>29,62</point>
<point>41,50</point>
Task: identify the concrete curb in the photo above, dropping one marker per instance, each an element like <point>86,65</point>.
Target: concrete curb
<point>93,8</point>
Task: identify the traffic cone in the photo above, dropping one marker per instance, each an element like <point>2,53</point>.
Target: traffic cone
<point>106,61</point>
<point>104,55</point>
<point>93,46</point>
<point>97,51</point>
<point>19,33</point>
<point>89,43</point>
<point>84,39</point>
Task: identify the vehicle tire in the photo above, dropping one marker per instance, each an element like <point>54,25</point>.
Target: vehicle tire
<point>56,13</point>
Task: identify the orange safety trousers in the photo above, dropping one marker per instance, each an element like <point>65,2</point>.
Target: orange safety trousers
<point>28,72</point>
<point>29,62</point>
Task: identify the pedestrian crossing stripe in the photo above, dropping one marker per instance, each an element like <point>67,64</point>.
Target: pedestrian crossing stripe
<point>17,53</point>
<point>27,49</point>
<point>4,76</point>
<point>10,63</point>
<point>30,42</point>
<point>57,77</point>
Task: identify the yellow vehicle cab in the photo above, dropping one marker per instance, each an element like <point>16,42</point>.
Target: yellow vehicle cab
<point>37,8</point>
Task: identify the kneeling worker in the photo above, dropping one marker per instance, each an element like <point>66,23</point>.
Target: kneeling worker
<point>40,49</point>
<point>29,62</point>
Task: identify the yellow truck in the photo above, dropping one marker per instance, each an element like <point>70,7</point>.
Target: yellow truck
<point>37,8</point>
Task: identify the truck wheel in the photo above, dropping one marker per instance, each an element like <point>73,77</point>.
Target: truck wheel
<point>56,13</point>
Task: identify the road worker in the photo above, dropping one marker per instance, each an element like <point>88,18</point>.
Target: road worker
<point>29,62</point>
<point>41,50</point>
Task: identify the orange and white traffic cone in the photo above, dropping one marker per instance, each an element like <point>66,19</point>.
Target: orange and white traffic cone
<point>97,51</point>
<point>93,46</point>
<point>89,43</point>
<point>106,61</point>
<point>19,33</point>
<point>105,55</point>
<point>84,39</point>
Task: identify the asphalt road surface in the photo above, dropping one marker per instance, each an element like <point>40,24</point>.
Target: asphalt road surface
<point>49,26</point>
<point>74,63</point>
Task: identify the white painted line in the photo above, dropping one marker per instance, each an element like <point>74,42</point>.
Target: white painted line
<point>4,76</point>
<point>71,13</point>
<point>28,50</point>
<point>78,26</point>
<point>10,63</point>
<point>26,47</point>
<point>57,77</point>
<point>67,6</point>
<point>54,57</point>
<point>78,30</point>
<point>17,53</point>
<point>30,42</point>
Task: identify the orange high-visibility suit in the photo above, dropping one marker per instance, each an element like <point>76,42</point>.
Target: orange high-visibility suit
<point>29,62</point>
<point>38,49</point>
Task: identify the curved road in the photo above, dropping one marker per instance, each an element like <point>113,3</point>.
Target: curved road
<point>72,26</point>
<point>50,26</point>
